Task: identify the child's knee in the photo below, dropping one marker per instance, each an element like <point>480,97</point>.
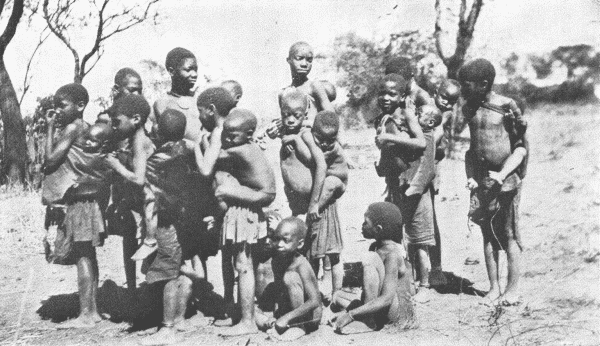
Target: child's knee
<point>334,259</point>
<point>370,259</point>
<point>335,184</point>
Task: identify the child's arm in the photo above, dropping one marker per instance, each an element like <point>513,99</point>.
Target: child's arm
<point>150,211</point>
<point>244,195</point>
<point>320,169</point>
<point>511,163</point>
<point>207,161</point>
<point>470,162</point>
<point>313,301</point>
<point>416,141</point>
<point>385,299</point>
<point>321,98</point>
<point>297,143</point>
<point>140,155</point>
<point>54,154</point>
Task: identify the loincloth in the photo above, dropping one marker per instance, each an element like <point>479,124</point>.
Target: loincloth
<point>166,262</point>
<point>324,236</point>
<point>85,221</point>
<point>417,214</point>
<point>243,225</point>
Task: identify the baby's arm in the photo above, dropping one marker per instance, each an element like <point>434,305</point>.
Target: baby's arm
<point>54,154</point>
<point>312,300</point>
<point>384,300</point>
<point>320,95</point>
<point>140,155</point>
<point>320,170</point>
<point>207,161</point>
<point>416,141</point>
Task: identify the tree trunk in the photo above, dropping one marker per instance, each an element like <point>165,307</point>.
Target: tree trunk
<point>15,150</point>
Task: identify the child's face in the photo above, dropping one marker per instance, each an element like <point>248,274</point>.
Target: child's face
<point>445,99</point>
<point>234,135</point>
<point>369,229</point>
<point>324,138</point>
<point>123,126</point>
<point>474,91</point>
<point>425,118</point>
<point>185,74</point>
<point>66,110</point>
<point>292,116</point>
<point>95,139</point>
<point>129,85</point>
<point>389,97</point>
<point>286,240</point>
<point>301,61</point>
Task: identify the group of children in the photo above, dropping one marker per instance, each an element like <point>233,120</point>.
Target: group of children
<point>188,177</point>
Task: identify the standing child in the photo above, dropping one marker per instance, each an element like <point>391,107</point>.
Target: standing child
<point>183,69</point>
<point>406,68</point>
<point>495,164</point>
<point>128,116</point>
<point>386,298</point>
<point>127,81</point>
<point>75,176</point>
<point>298,300</point>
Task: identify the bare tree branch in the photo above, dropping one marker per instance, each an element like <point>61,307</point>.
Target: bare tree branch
<point>27,79</point>
<point>437,34</point>
<point>11,26</point>
<point>58,27</point>
<point>2,3</point>
<point>97,41</point>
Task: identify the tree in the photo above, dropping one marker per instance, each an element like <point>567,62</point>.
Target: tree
<point>464,35</point>
<point>15,151</point>
<point>66,18</point>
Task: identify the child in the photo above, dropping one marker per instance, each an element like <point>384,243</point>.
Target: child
<point>244,222</point>
<point>406,68</point>
<point>170,202</point>
<point>128,116</point>
<point>495,164</point>
<point>445,99</point>
<point>387,279</point>
<point>234,88</point>
<point>127,81</point>
<point>183,69</point>
<point>67,169</point>
<point>298,299</point>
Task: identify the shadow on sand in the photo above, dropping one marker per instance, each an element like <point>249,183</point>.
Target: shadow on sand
<point>456,285</point>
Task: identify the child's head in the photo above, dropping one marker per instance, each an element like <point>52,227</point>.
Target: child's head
<point>476,78</point>
<point>238,128</point>
<point>289,235</point>
<point>69,103</point>
<point>171,125</point>
<point>294,106</point>
<point>330,90</point>
<point>383,221</point>
<point>213,103</point>
<point>447,95</point>
<point>300,59</point>
<point>127,81</point>
<point>234,88</point>
<point>183,68</point>
<point>429,117</point>
<point>96,137</point>
<point>128,114</point>
<point>393,89</point>
<point>325,129</point>
<point>402,66</point>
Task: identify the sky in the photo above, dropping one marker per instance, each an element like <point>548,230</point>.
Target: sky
<point>248,40</point>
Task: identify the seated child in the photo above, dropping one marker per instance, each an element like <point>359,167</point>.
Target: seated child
<point>68,168</point>
<point>387,279</point>
<point>495,165</point>
<point>183,69</point>
<point>128,116</point>
<point>297,293</point>
<point>234,88</point>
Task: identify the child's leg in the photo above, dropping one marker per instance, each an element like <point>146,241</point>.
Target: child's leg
<point>436,251</point>
<point>184,293</point>
<point>491,264</point>
<point>333,188</point>
<point>513,254</point>
<point>167,334</point>
<point>130,245</point>
<point>228,274</point>
<point>246,289</point>
<point>295,292</point>
<point>337,272</point>
<point>423,267</point>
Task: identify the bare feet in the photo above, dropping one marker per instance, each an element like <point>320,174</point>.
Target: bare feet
<point>510,299</point>
<point>290,334</point>
<point>357,327</point>
<point>424,295</point>
<point>165,336</point>
<point>492,295</point>
<point>147,248</point>
<point>242,328</point>
<point>80,322</point>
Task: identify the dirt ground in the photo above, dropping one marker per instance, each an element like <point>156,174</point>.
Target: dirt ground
<point>560,264</point>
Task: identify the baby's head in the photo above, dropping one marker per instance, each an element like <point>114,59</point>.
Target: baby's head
<point>393,89</point>
<point>447,95</point>
<point>128,114</point>
<point>429,117</point>
<point>234,88</point>
<point>183,68</point>
<point>70,101</point>
<point>300,58</point>
<point>97,137</point>
<point>238,128</point>
<point>402,66</point>
<point>329,90</point>
<point>214,103</point>
<point>294,106</point>
<point>476,78</point>
<point>325,130</point>
<point>171,125</point>
<point>289,235</point>
<point>383,221</point>
<point>127,81</point>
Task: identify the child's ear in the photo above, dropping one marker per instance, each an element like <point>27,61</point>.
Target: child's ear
<point>171,71</point>
<point>81,106</point>
<point>137,119</point>
<point>484,84</point>
<point>300,243</point>
<point>237,97</point>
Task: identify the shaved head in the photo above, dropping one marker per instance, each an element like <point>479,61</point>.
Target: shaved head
<point>297,46</point>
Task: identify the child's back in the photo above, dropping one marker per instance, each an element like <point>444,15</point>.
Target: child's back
<point>248,164</point>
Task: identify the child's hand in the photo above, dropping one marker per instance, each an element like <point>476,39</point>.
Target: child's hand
<point>281,325</point>
<point>343,320</point>
<point>472,184</point>
<point>411,191</point>
<point>381,138</point>
<point>497,177</point>
<point>287,142</point>
<point>274,129</point>
<point>50,116</point>
<point>112,160</point>
<point>313,213</point>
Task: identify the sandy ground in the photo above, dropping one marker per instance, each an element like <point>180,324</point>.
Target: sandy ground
<point>560,265</point>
